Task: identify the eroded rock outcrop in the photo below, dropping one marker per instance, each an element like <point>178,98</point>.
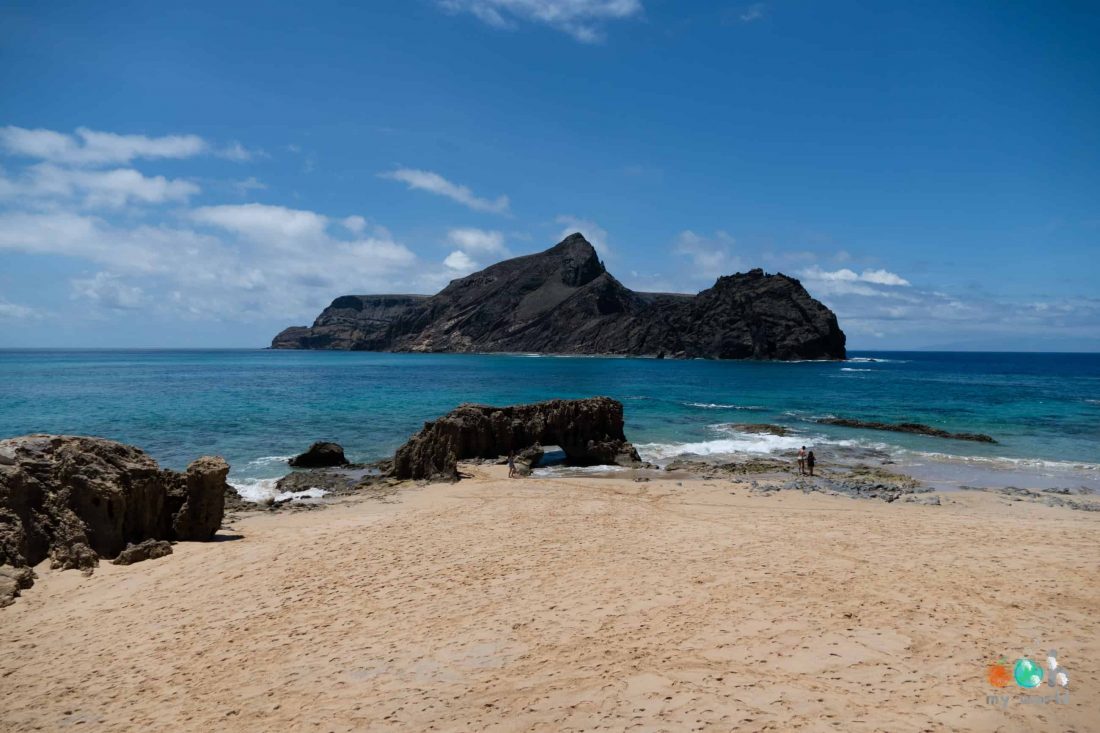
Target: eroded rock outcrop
<point>589,431</point>
<point>75,499</point>
<point>563,301</point>
<point>197,503</point>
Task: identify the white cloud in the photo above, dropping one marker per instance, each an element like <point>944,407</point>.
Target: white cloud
<point>595,234</point>
<point>437,184</point>
<point>245,187</point>
<point>89,147</point>
<point>137,249</point>
<point>354,224</point>
<point>109,291</point>
<point>16,312</point>
<point>478,240</point>
<point>97,188</point>
<point>238,153</point>
<point>266,225</point>
<point>752,12</point>
<point>238,262</point>
<point>256,261</point>
<point>880,304</point>
<point>460,262</point>
<point>711,256</point>
<point>581,19</point>
<point>877,277</point>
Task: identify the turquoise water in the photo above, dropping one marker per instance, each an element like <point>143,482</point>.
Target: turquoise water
<point>256,407</point>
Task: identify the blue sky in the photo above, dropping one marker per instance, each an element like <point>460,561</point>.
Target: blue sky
<point>204,174</point>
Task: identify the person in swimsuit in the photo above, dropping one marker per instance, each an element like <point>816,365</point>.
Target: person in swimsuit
<point>802,460</point>
<point>511,464</point>
<point>810,461</point>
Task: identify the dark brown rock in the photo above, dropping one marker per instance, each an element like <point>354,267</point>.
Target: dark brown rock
<point>528,458</point>
<point>564,301</point>
<point>147,550</point>
<point>75,499</point>
<point>320,455</point>
<point>234,502</point>
<point>905,427</point>
<point>589,431</point>
<point>715,468</point>
<point>335,481</point>
<point>761,429</point>
<point>203,500</point>
<point>12,582</point>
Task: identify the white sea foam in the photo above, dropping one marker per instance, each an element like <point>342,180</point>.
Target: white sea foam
<point>876,360</point>
<point>566,471</point>
<point>715,406</point>
<point>799,415</point>
<point>854,369</point>
<point>734,442</point>
<point>255,489</point>
<point>261,489</point>
<point>313,493</point>
<point>269,460</point>
<point>756,443</point>
<point>1008,463</point>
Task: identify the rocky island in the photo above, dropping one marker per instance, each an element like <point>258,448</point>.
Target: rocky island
<point>564,301</point>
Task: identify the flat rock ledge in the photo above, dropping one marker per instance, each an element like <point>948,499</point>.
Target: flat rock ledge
<point>915,428</point>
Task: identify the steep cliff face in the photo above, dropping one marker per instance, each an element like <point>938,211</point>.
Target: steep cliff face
<point>352,322</point>
<point>564,301</point>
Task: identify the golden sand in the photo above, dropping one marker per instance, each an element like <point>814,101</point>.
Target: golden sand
<point>573,604</point>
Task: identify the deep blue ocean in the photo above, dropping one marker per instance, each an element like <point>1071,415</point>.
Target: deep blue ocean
<point>256,407</point>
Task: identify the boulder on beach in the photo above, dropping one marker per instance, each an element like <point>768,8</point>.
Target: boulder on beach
<point>321,454</point>
<point>589,431</point>
<point>75,499</point>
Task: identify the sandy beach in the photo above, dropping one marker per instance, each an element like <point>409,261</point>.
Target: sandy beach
<point>573,604</point>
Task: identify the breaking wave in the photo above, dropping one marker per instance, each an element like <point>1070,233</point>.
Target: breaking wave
<point>269,460</point>
<point>732,442</point>
<point>261,489</point>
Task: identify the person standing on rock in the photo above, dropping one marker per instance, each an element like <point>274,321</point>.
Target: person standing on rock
<point>511,464</point>
<point>810,461</point>
<point>802,460</point>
